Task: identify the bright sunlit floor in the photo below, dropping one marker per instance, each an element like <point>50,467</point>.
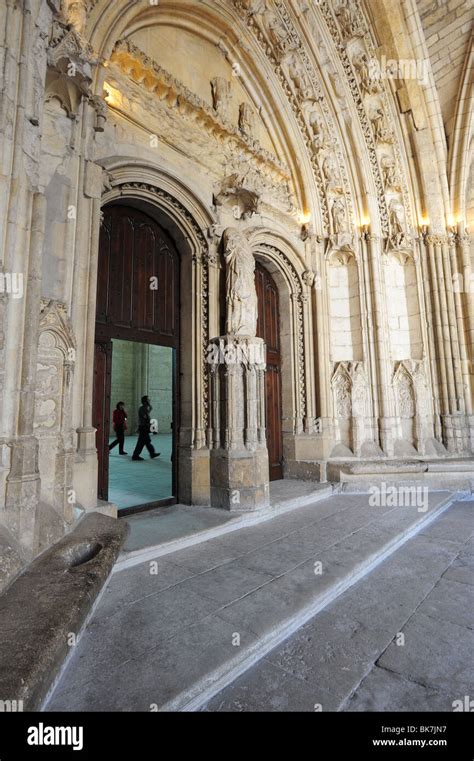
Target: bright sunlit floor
<point>138,483</point>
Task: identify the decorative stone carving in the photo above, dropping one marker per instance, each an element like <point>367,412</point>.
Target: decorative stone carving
<point>360,393</point>
<point>309,278</point>
<point>100,107</point>
<point>221,93</point>
<point>342,390</point>
<point>239,457</point>
<point>338,215</point>
<point>234,192</point>
<point>276,32</point>
<point>75,14</point>
<point>69,74</point>
<point>350,26</point>
<point>255,7</point>
<point>241,294</point>
<point>330,174</point>
<point>247,119</point>
<point>398,237</point>
<point>390,174</point>
<point>52,421</point>
<point>198,130</point>
<point>299,77</point>
<point>404,393</point>
<point>368,83</point>
<point>318,129</point>
<point>380,126</point>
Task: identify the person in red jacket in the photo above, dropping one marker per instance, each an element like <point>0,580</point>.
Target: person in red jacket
<point>119,419</point>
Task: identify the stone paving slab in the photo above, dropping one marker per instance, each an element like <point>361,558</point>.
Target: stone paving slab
<point>169,529</point>
<point>195,631</point>
<point>347,657</point>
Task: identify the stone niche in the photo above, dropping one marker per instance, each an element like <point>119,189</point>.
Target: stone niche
<point>52,422</point>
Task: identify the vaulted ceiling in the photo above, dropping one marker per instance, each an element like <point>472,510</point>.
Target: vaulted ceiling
<point>448,28</point>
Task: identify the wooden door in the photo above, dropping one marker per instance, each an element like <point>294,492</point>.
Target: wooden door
<point>101,412</point>
<point>268,328</point>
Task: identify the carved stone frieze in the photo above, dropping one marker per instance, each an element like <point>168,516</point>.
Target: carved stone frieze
<point>198,129</point>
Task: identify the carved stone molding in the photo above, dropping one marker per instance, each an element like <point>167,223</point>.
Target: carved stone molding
<point>235,140</point>
<point>292,64</point>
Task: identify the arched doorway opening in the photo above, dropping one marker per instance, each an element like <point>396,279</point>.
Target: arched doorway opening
<point>136,354</point>
<point>268,328</point>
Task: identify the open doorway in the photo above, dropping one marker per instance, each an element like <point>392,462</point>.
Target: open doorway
<point>140,370</point>
<point>136,355</point>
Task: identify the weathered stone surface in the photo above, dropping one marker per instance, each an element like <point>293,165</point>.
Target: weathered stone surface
<point>43,611</point>
<point>351,656</point>
<point>251,603</point>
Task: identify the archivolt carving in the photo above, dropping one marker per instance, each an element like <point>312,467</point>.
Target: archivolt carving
<point>301,86</point>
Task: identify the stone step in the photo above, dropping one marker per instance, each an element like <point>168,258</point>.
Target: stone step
<point>456,474</point>
<point>183,526</point>
<point>172,642</point>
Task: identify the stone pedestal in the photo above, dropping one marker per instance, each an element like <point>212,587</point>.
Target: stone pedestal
<point>239,456</point>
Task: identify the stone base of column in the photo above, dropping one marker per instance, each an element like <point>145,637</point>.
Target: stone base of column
<point>388,427</point>
<point>85,469</point>
<point>456,431</point>
<point>239,457</point>
<point>239,480</point>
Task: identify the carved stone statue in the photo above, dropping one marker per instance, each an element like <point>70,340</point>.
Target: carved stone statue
<point>390,174</point>
<point>368,83</point>
<point>75,13</point>
<point>247,119</point>
<point>396,218</point>
<point>255,7</point>
<point>338,212</point>
<point>241,295</point>
<point>380,126</point>
<point>299,77</point>
<point>318,128</point>
<point>347,17</point>
<point>277,32</point>
<point>221,96</point>
<point>329,171</point>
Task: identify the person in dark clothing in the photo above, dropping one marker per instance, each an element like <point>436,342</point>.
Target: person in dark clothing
<point>144,431</point>
<point>119,419</point>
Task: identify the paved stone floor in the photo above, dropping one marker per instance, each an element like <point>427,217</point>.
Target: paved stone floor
<point>165,633</point>
<point>178,521</point>
<point>402,639</point>
<point>137,483</point>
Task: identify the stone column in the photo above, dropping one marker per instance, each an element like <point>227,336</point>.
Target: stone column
<point>387,420</point>
<point>239,457</point>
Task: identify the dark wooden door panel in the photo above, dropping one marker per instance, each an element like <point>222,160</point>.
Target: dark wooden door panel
<point>135,255</point>
<point>268,328</point>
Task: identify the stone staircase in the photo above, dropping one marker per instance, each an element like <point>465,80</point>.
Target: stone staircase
<point>172,631</point>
